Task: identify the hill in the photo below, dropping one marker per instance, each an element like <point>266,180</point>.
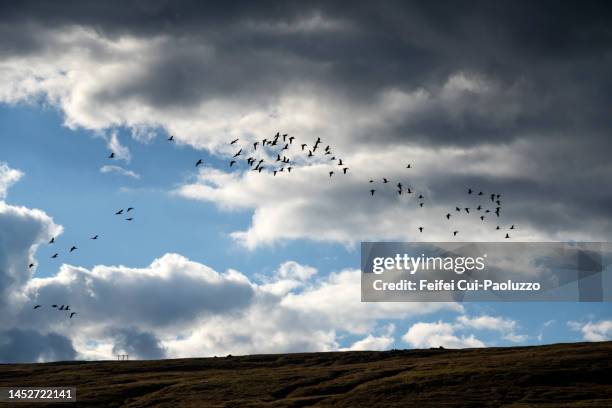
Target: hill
<point>576,375</point>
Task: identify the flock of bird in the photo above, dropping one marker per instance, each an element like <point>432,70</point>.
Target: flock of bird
<point>283,162</point>
<point>279,146</point>
<point>74,248</point>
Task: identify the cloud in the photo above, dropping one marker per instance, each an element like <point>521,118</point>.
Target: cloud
<point>593,331</point>
<point>435,334</point>
<point>26,346</point>
<point>422,335</point>
<point>119,170</point>
<point>464,96</point>
<point>8,177</point>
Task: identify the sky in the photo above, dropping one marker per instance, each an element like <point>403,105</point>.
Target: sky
<point>505,97</point>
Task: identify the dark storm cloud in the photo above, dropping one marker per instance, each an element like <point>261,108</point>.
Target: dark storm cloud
<point>26,346</point>
<point>551,59</point>
<point>138,344</point>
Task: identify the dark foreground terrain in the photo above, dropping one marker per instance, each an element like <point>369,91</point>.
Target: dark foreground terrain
<point>568,375</point>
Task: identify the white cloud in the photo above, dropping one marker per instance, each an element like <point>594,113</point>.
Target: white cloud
<point>119,170</point>
<point>8,177</point>
<point>593,331</point>
<point>438,334</point>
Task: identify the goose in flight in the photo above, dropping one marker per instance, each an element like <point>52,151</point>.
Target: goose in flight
<point>119,212</point>
<point>36,307</point>
<point>458,209</point>
<point>512,227</point>
<point>291,139</point>
<point>467,210</point>
<point>129,219</point>
<point>31,265</point>
<point>482,217</point>
<point>507,236</point>
<point>171,139</point>
<point>448,216</point>
<point>455,233</point>
<point>73,248</point>
<point>112,155</point>
<point>94,237</point>
<point>420,229</point>
<point>52,240</point>
<point>331,173</point>
<point>303,146</point>
<point>385,180</point>
<point>372,192</point>
<point>199,162</point>
<point>239,153</point>
<point>255,145</point>
<point>345,169</point>
<point>54,255</point>
<point>232,163</point>
<point>234,141</point>
<point>469,191</point>
<point>408,166</point>
<point>129,209</point>
<point>421,205</point>
<point>72,314</point>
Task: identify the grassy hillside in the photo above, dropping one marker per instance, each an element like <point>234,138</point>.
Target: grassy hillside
<point>557,375</point>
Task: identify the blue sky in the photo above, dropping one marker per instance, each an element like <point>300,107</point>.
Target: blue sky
<point>220,259</point>
<point>62,178</point>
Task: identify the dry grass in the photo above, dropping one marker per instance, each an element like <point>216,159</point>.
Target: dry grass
<point>569,375</point>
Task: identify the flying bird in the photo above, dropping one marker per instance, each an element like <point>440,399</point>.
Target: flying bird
<point>112,155</point>
<point>36,307</point>
<point>52,240</point>
<point>232,163</point>
<point>507,236</point>
<point>303,146</point>
<point>408,166</point>
<point>345,169</point>
<point>482,218</point>
<point>129,219</point>
<point>448,216</point>
<point>457,208</point>
<point>119,212</point>
<point>72,314</point>
<point>420,229</point>
<point>171,139</point>
<point>55,306</point>
<point>129,209</point>
<point>421,205</point>
<point>255,145</point>
<point>455,233</point>
<point>73,248</point>
<point>467,210</point>
<point>54,255</point>
<point>31,265</point>
<point>385,180</point>
<point>331,173</point>
<point>199,162</point>
<point>469,191</point>
<point>94,237</point>
<point>512,227</point>
<point>234,141</point>
<point>372,192</point>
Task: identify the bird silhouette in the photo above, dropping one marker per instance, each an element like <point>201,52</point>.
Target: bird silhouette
<point>36,307</point>
<point>94,237</point>
<point>385,180</point>
<point>72,314</point>
<point>199,162</point>
<point>372,192</point>
<point>303,146</point>
<point>61,307</point>
<point>421,205</point>
<point>54,255</point>
<point>112,155</point>
<point>455,233</point>
<point>171,139</point>
<point>512,227</point>
<point>119,212</point>
<point>480,193</point>
<point>52,240</point>
<point>408,166</point>
<point>73,248</point>
<point>467,210</point>
<point>129,219</point>
<point>507,236</point>
<point>482,217</point>
<point>469,191</point>
<point>421,196</point>
<point>331,173</point>
<point>233,162</point>
<point>234,141</point>
<point>497,228</point>
<point>129,209</point>
<point>345,169</point>
<point>457,208</point>
<point>55,306</point>
<point>291,139</point>
<point>239,153</point>
<point>420,229</point>
<point>31,265</point>
<point>448,216</point>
